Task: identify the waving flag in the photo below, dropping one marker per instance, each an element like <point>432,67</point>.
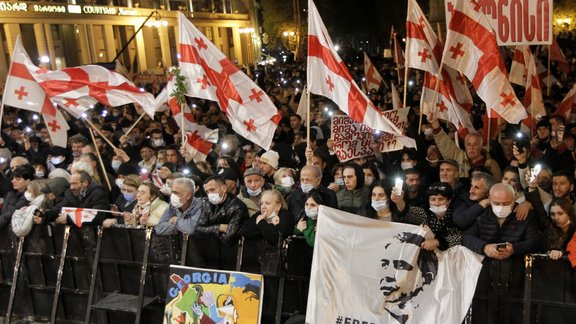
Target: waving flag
<point>210,75</point>
<point>22,91</point>
<point>368,271</point>
<point>76,88</point>
<point>471,48</point>
<point>80,215</point>
<point>373,78</point>
<point>567,105</point>
<point>453,97</point>
<point>533,97</point>
<point>519,69</point>
<point>557,56</point>
<point>328,76</point>
<point>421,42</point>
<point>396,103</point>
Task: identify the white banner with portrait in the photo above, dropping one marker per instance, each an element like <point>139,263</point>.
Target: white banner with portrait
<point>370,271</point>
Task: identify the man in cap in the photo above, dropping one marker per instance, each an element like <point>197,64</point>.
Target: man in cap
<point>251,191</point>
<point>269,165</point>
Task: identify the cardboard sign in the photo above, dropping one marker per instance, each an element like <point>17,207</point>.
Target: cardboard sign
<point>353,140</point>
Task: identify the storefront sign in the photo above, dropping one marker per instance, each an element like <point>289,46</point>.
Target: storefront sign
<point>71,9</point>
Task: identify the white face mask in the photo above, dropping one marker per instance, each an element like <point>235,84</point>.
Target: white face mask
<point>368,181</point>
<point>339,181</point>
<point>215,198</point>
<point>432,161</point>
<point>116,164</point>
<point>428,132</point>
<point>254,193</point>
<point>158,142</point>
<point>438,210</point>
<point>379,204</point>
<point>502,211</point>
<point>40,174</point>
<point>28,196</point>
<point>306,187</point>
<point>311,212</point>
<point>57,160</point>
<point>406,165</point>
<point>175,201</point>
<point>120,183</point>
<point>287,182</point>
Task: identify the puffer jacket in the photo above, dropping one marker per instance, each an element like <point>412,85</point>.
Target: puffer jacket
<point>523,235</point>
<point>352,200</point>
<point>13,201</point>
<point>231,211</point>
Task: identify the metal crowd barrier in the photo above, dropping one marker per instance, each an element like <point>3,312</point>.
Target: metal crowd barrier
<point>89,275</point>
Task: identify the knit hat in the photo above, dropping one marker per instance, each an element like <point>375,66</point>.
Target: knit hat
<point>270,157</point>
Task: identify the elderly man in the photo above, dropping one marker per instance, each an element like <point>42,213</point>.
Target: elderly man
<point>251,191</point>
<point>504,240</point>
<point>472,156</point>
<point>184,210</point>
<point>310,178</point>
<point>465,213</point>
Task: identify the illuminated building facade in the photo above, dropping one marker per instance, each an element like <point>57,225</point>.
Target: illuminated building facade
<point>71,33</point>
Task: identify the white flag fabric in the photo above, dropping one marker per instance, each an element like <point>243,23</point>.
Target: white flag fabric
<point>22,91</point>
<point>533,96</point>
<point>396,103</point>
<point>471,48</point>
<point>302,110</point>
<point>373,78</point>
<point>328,76</point>
<point>77,88</point>
<point>567,105</point>
<point>370,271</point>
<point>210,75</point>
<point>80,215</point>
<point>519,69</point>
<point>421,41</point>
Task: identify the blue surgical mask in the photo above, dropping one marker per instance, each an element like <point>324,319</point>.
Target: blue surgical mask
<point>128,196</point>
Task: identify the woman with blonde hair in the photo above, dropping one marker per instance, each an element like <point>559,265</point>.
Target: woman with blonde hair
<point>149,207</point>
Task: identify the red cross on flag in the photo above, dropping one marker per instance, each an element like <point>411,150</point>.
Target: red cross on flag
<point>373,78</point>
<point>22,91</point>
<point>471,48</point>
<point>210,75</point>
<point>328,76</point>
<point>80,215</point>
<point>547,79</point>
<point>421,42</point>
<point>77,88</point>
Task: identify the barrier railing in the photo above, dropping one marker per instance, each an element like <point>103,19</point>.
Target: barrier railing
<point>63,272</point>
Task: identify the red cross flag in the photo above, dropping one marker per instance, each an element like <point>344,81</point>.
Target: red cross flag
<point>533,97</point>
<point>421,41</point>
<point>373,78</point>
<point>519,69</point>
<point>328,76</point>
<point>22,91</point>
<point>471,48</point>
<point>80,215</point>
<point>210,75</point>
<point>568,104</point>
<point>199,138</point>
<point>76,89</point>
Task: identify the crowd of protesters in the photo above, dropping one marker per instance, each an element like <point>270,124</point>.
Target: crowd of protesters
<point>490,201</point>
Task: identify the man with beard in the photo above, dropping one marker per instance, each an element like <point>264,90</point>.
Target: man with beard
<point>83,193</point>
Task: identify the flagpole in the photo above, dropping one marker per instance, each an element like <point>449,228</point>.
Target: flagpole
<point>101,162</point>
<point>397,58</point>
<point>182,130</point>
<point>307,119</point>
<point>99,210</point>
<point>549,80</point>
<point>100,133</point>
<point>405,80</point>
<point>488,137</point>
<point>134,125</point>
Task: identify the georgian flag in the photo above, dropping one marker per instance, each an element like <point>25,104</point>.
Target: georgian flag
<point>199,138</point>
<point>328,76</point>
<point>421,42</point>
<point>80,215</point>
<point>210,75</point>
<point>548,80</point>
<point>373,78</point>
<point>533,97</point>
<point>22,91</point>
<point>568,104</point>
<point>519,69</point>
<point>471,48</point>
<point>76,88</point>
